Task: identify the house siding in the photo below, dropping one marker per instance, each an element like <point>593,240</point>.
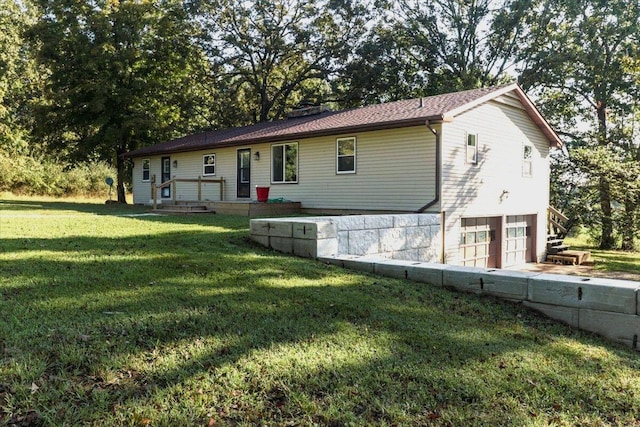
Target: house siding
<point>395,171</point>
<point>496,185</point>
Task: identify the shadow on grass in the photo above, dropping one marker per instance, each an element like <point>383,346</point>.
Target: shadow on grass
<point>208,323</point>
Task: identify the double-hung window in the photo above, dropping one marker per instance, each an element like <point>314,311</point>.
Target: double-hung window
<point>472,149</point>
<point>346,155</point>
<point>146,170</point>
<point>284,163</point>
<point>208,164</point>
<point>527,160</point>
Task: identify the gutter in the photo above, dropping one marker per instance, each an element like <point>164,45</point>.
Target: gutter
<point>437,196</point>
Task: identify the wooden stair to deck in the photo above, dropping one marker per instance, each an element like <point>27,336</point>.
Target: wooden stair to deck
<point>557,251</point>
<point>183,208</point>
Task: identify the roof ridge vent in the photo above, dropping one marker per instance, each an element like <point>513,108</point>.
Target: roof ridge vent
<point>306,110</point>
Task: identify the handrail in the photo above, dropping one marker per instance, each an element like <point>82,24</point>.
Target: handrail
<point>557,213</point>
<point>172,182</point>
<point>555,221</point>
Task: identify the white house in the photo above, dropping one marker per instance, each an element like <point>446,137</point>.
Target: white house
<point>479,157</point>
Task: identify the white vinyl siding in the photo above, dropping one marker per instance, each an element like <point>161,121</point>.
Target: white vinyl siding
<point>396,172</point>
<point>496,187</point>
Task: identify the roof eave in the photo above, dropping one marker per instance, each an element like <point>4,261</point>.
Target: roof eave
<point>292,136</point>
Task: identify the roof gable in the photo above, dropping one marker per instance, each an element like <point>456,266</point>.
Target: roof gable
<point>412,112</point>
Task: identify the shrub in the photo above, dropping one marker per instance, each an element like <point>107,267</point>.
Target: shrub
<point>40,176</point>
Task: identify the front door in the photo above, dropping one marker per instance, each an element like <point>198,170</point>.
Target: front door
<point>244,174</point>
<point>166,176</point>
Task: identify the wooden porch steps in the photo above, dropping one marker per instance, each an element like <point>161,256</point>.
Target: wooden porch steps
<point>570,257</point>
<point>183,209</point>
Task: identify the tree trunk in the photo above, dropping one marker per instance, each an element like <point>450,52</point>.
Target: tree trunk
<point>606,239</point>
<point>120,166</point>
<point>629,226</point>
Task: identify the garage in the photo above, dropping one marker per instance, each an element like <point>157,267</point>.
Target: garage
<point>519,238</point>
<point>480,242</point>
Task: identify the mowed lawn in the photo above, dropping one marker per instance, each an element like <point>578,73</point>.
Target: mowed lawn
<point>107,319</point>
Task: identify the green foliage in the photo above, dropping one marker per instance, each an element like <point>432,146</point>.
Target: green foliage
<point>110,319</point>
<point>122,76</point>
<point>581,56</point>
<point>41,176</point>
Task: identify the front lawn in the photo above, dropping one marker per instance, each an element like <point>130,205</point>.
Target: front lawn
<point>144,320</point>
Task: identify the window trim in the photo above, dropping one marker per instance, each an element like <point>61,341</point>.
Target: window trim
<point>284,162</point>
<point>475,149</point>
<point>354,155</point>
<point>148,170</point>
<point>204,165</point>
<point>527,172</point>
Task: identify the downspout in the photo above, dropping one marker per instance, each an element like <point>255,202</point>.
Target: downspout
<point>436,199</point>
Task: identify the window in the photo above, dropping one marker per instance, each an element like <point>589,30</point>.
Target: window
<point>146,169</point>
<point>284,163</point>
<point>527,160</point>
<point>472,149</point>
<point>209,164</point>
<point>346,155</point>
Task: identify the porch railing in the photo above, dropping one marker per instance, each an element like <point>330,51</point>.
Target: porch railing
<point>172,183</point>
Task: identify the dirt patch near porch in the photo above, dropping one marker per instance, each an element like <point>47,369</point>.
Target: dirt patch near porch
<point>577,270</point>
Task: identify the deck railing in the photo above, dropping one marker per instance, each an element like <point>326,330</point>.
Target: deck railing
<point>172,183</point>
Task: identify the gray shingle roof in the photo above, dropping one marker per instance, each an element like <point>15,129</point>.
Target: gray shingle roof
<point>389,115</point>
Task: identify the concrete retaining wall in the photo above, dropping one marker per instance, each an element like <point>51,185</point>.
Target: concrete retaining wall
<point>414,237</point>
<point>604,306</point>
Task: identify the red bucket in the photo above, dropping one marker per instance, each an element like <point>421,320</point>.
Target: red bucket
<point>262,193</point>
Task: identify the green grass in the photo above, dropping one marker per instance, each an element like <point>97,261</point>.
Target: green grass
<point>166,321</point>
<point>606,260</point>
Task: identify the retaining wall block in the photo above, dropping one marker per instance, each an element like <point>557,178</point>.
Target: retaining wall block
<point>554,289</point>
<point>616,326</point>
<point>424,272</point>
<point>314,230</point>
<point>363,242</point>
<point>610,295</point>
<point>583,292</point>
<point>263,240</point>
<point>392,239</point>
<point>430,254</point>
<point>315,248</point>
<point>406,220</point>
<point>343,242</point>
<point>567,315</point>
<point>429,219</point>
<point>407,255</point>
<point>259,227</point>
<point>462,278</point>
<point>418,237</point>
<point>396,268</point>
<point>280,229</point>
<point>281,244</point>
<point>505,284</point>
<point>349,222</point>
<point>378,221</point>
<point>364,265</point>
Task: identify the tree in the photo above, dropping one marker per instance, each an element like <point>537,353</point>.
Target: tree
<point>577,55</point>
<point>122,75</point>
<point>272,54</point>
<point>473,41</point>
<point>19,77</point>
